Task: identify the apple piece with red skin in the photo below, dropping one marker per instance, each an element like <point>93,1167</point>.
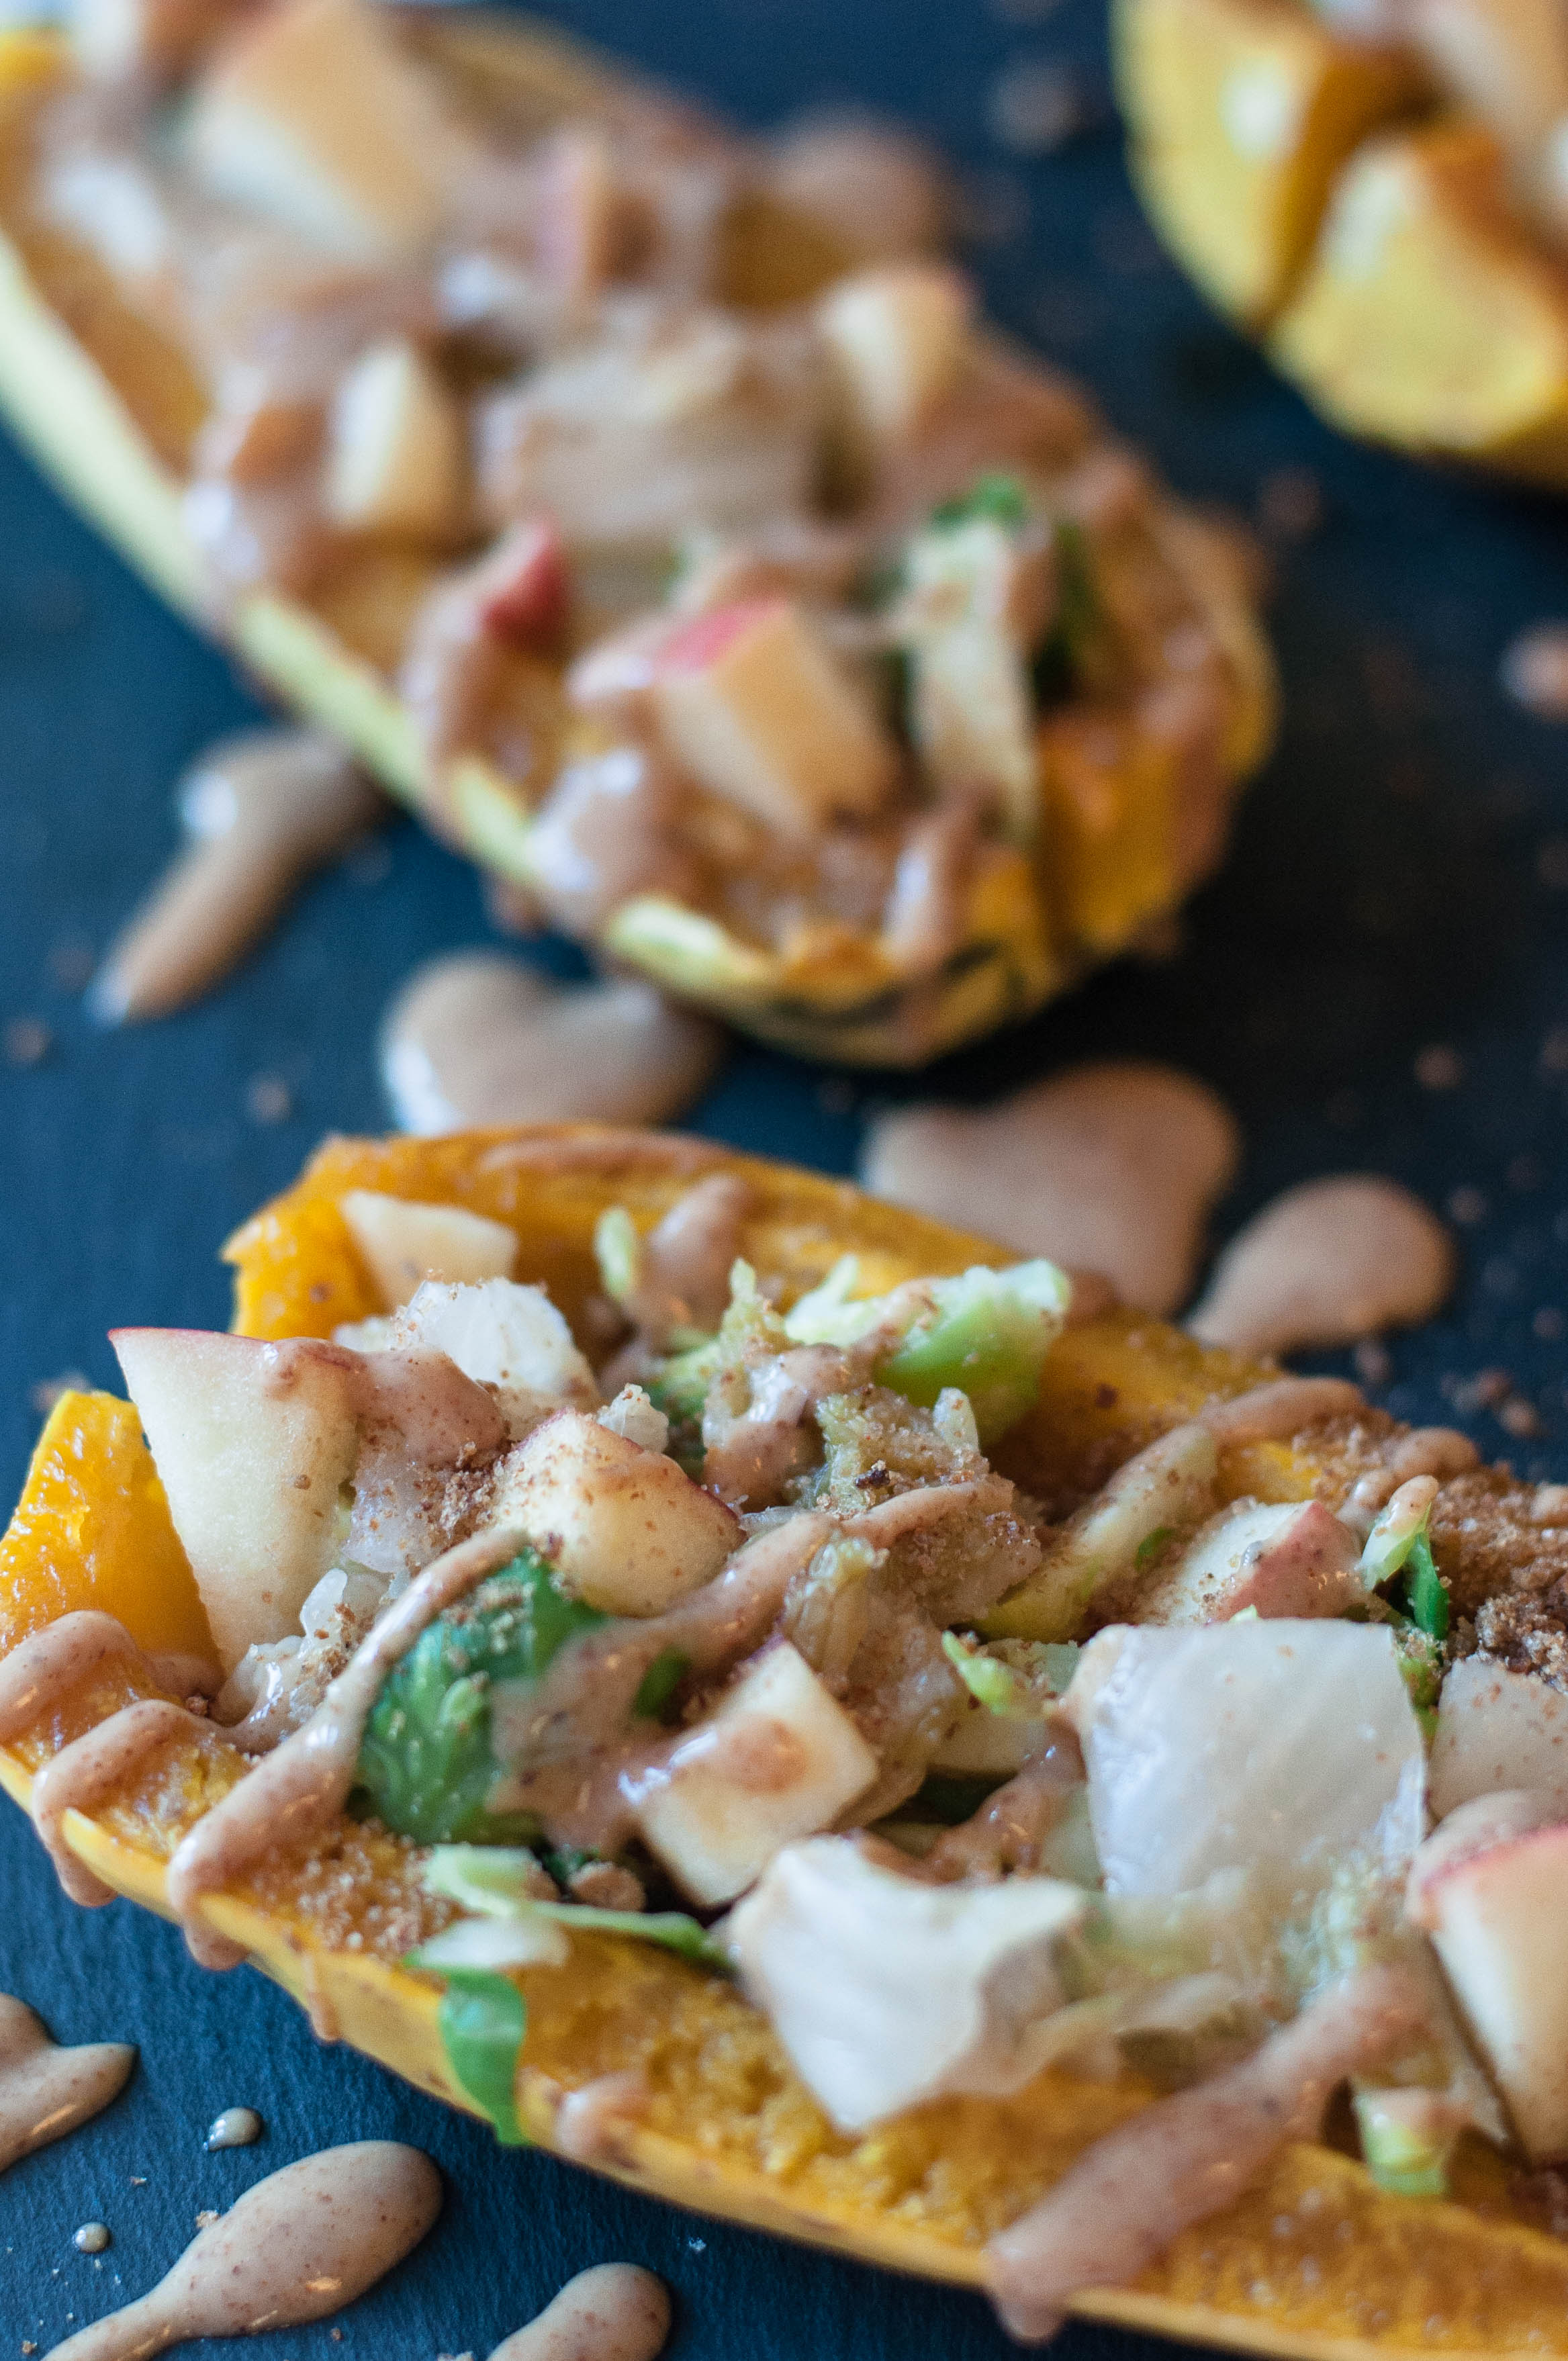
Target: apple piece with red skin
<point>522,588</point>
<point>750,699</point>
<point>252,1443</point>
<point>1291,1560</point>
<point>1491,1889</point>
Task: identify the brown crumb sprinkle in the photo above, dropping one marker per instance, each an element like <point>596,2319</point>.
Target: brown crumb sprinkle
<point>1528,1635</point>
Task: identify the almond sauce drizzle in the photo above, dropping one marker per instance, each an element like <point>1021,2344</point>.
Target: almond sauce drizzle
<point>304,1785</point>
<point>46,2092</point>
<point>44,1670</point>
<point>260,811</point>
<point>299,2246</point>
<point>1187,2157</point>
<point>613,2312</point>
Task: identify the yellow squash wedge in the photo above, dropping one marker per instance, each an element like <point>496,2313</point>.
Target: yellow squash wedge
<point>110,407</point>
<point>1316,2262</point>
<point>1329,198</point>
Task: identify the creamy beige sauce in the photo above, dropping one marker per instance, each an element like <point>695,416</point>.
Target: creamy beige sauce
<point>1190,2157</point>
<point>613,2312</point>
<point>1109,1167</point>
<point>482,1038</point>
<point>91,1767</point>
<point>44,1669</point>
<point>259,811</point>
<point>1274,1412</point>
<point>302,1787</point>
<point>591,2123</point>
<point>1325,1264</point>
<point>684,1281</point>
<point>299,2246</point>
<point>235,2128</point>
<point>46,2092</point>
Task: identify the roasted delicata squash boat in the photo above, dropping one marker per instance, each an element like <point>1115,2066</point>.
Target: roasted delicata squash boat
<point>647,508</point>
<point>734,1683</point>
<point>1380,189</point>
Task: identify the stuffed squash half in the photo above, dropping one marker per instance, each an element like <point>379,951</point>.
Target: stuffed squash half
<point>1380,189</point>
<point>647,507</point>
<point>734,1683</point>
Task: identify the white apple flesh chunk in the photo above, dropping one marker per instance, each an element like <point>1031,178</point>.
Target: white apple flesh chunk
<point>312,115</point>
<point>503,1336</point>
<point>402,1244</point>
<point>1491,1889</point>
<point>1205,1749</point>
<point>395,462</point>
<point>887,1992</point>
<point>1497,1730</point>
<point>779,1759</point>
<point>252,1450</point>
<point>897,334</point>
<point>1295,1560</point>
<point>751,701</point>
<point>623,1528</point>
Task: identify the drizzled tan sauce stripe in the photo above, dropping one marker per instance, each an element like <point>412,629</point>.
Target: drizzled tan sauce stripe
<point>615,2313</point>
<point>46,2092</point>
<point>297,2247</point>
<point>259,811</point>
<point>302,1787</point>
<point>1187,2157</point>
<point>91,1767</point>
<point>1272,1413</point>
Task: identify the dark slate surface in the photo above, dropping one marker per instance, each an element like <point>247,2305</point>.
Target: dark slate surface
<point>1400,883</point>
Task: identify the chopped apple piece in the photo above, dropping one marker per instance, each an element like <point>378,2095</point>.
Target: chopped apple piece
<point>523,586</point>
<point>312,115</point>
<point>751,701</point>
<point>395,459</point>
<point>252,1451</point>
<point>1497,1730</point>
<point>779,1759</point>
<point>623,1528</point>
<point>887,1992</point>
<point>1205,1749</point>
<point>503,1336</point>
<point>898,336</point>
<point>1491,1888</point>
<point>1297,1559</point>
<point>404,1244</point>
<point>979,597</point>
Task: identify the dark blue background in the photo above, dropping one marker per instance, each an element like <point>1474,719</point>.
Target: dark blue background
<point>1400,879</point>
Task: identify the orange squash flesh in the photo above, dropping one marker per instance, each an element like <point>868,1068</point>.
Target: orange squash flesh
<point>1315,2262</point>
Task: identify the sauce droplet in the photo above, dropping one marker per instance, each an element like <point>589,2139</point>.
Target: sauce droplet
<point>614,2313</point>
<point>92,2238</point>
<point>46,2092</point>
<point>299,2246</point>
<point>260,811</point>
<point>482,1038</point>
<point>1325,1263</point>
<point>1107,1167</point>
<point>235,2128</point>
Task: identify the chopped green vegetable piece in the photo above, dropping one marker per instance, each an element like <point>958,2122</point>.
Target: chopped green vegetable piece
<point>988,1681</point>
<point>659,1683</point>
<point>1427,1598</point>
<point>618,1250</point>
<point>1407,2137</point>
<point>995,495</point>
<point>482,2020</point>
<point>988,1333</point>
<point>1070,651</point>
<point>1391,1541</point>
<point>1149,1548</point>
<point>493,1880</point>
<point>426,1765</point>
